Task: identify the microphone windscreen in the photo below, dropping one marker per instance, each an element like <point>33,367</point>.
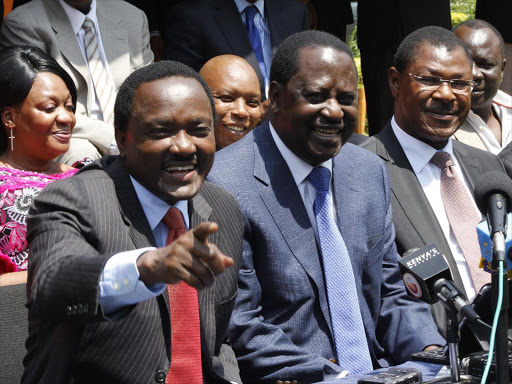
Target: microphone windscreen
<point>491,183</point>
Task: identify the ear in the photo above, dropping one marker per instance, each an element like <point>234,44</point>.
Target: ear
<point>8,117</point>
<point>121,138</point>
<point>274,95</point>
<point>394,81</point>
<point>503,65</point>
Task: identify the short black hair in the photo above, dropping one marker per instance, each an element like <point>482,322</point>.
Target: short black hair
<point>285,63</point>
<point>19,66</point>
<point>436,36</point>
<point>482,24</point>
<point>156,71</point>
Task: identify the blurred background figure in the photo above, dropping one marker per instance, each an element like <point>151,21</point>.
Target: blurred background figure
<point>37,117</point>
<point>198,30</point>
<point>489,123</point>
<point>236,92</point>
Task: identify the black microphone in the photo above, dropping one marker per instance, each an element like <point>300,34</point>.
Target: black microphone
<point>493,196</point>
<point>427,277</point>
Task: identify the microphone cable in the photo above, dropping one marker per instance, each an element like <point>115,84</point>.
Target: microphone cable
<point>494,324</point>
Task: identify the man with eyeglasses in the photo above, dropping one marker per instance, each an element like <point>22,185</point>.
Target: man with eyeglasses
<point>432,176</point>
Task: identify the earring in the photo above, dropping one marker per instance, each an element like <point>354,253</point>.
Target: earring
<point>12,141</point>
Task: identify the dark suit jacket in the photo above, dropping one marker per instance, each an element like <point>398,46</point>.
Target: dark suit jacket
<point>281,327</point>
<point>74,227</point>
<point>415,222</point>
<point>198,30</point>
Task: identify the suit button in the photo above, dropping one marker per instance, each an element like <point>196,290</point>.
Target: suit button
<point>160,376</point>
<point>279,382</point>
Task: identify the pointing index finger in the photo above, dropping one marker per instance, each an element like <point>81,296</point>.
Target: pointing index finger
<point>203,230</point>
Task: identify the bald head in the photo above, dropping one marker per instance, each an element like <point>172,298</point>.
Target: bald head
<point>236,92</point>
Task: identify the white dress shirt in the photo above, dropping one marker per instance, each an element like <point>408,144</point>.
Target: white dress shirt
<point>429,176</point>
<point>119,283</point>
<point>77,18</point>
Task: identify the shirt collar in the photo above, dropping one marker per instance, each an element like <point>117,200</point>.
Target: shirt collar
<point>299,168</point>
<point>418,153</point>
<point>260,4</point>
<point>77,18</point>
<point>155,208</point>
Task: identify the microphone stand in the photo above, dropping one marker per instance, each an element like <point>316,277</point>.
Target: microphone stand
<point>501,343</point>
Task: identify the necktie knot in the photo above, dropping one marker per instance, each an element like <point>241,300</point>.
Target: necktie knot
<point>250,13</point>
<point>88,23</point>
<point>320,177</point>
<point>173,219</point>
<point>442,159</point>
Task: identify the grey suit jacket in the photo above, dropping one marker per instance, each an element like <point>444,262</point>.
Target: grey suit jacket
<point>415,222</point>
<point>74,227</point>
<point>125,36</point>
<point>281,326</point>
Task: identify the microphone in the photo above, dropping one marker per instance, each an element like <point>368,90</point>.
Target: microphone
<point>485,242</point>
<point>493,196</point>
<point>427,277</point>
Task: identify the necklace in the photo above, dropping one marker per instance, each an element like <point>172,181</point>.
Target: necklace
<point>25,169</point>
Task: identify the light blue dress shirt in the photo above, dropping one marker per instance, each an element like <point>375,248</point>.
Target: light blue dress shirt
<point>119,283</point>
<point>262,25</point>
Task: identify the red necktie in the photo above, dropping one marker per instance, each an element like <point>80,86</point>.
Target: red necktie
<point>186,364</point>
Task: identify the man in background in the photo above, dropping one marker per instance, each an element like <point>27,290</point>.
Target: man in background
<point>253,29</point>
<point>236,92</point>
<point>489,123</point>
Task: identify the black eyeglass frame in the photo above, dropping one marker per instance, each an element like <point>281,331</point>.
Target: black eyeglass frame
<point>457,82</point>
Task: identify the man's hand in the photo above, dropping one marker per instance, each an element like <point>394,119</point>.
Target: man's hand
<point>431,347</point>
<point>190,258</point>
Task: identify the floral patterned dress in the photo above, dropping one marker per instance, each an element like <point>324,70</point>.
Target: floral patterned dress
<point>18,189</point>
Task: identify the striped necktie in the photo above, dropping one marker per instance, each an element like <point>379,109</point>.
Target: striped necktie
<point>104,91</point>
<point>254,38</point>
<point>347,323</point>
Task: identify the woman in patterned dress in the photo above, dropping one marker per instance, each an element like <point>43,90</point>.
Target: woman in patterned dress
<point>37,103</point>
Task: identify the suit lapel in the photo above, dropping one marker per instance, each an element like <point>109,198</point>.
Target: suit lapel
<point>200,211</point>
<point>115,44</point>
<point>410,196</point>
<point>66,37</point>
<point>232,27</point>
<point>284,203</point>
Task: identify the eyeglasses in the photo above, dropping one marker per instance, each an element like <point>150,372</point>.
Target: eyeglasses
<point>432,83</point>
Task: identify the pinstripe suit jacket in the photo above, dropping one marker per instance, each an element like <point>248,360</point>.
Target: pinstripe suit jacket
<point>281,327</point>
<point>73,228</point>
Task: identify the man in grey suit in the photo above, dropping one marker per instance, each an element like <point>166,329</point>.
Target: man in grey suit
<point>306,310</point>
<point>431,80</point>
<point>58,28</point>
<point>119,290</point>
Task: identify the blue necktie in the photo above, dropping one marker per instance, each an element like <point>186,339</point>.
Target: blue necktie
<point>254,38</point>
<point>347,324</point>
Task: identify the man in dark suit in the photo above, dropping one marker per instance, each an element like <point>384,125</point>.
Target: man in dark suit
<point>431,80</point>
<point>314,250</point>
<point>201,29</point>
<point>114,274</point>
